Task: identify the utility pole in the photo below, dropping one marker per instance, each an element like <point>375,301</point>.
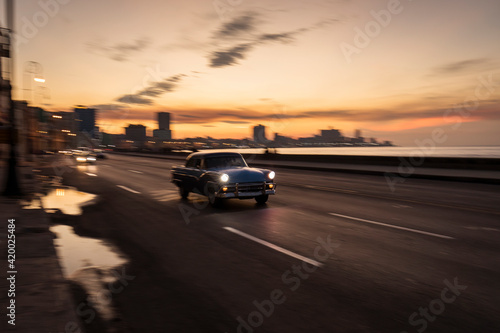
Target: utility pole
<point>12,187</point>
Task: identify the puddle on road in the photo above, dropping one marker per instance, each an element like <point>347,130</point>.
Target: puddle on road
<point>77,252</point>
<point>64,198</point>
<point>92,263</point>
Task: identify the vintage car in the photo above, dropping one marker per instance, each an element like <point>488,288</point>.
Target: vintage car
<point>222,176</point>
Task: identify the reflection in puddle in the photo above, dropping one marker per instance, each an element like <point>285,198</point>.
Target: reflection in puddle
<point>91,263</point>
<point>87,168</point>
<point>77,252</point>
<point>66,199</point>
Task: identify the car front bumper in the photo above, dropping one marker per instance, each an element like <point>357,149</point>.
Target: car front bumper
<point>246,190</point>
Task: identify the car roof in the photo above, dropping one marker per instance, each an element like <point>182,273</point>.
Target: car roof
<point>210,154</point>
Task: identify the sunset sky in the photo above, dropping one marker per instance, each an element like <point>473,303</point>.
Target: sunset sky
<point>396,70</point>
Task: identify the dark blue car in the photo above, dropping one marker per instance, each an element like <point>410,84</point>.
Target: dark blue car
<point>223,176</point>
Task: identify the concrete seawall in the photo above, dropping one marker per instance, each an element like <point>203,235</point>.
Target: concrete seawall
<point>417,161</point>
<point>457,163</point>
<point>395,169</point>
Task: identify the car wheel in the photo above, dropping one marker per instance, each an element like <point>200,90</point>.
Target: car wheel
<point>262,199</point>
<point>213,200</point>
<point>183,192</point>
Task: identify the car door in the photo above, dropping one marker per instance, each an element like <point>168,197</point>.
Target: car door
<point>187,174</point>
<point>197,173</point>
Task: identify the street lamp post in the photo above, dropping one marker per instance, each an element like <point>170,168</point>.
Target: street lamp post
<point>41,93</point>
<point>33,72</point>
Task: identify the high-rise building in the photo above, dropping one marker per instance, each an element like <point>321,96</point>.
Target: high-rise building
<point>163,132</point>
<point>135,133</point>
<point>259,134</point>
<point>164,120</point>
<point>357,137</point>
<point>85,118</point>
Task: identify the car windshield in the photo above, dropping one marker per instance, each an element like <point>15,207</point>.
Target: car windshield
<point>225,162</point>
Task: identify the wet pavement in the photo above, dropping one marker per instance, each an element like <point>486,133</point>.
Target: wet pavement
<point>53,261</point>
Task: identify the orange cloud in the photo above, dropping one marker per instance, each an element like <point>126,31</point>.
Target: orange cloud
<point>423,122</point>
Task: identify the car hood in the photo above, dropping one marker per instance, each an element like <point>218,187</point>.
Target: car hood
<point>245,175</point>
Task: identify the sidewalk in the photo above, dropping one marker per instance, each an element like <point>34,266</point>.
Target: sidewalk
<point>43,302</point>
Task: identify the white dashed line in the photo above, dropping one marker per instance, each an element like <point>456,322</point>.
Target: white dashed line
<point>392,226</point>
<point>135,171</point>
<point>275,247</point>
<point>91,174</point>
<point>128,189</point>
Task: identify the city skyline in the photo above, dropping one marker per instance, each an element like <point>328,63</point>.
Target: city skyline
<point>396,70</point>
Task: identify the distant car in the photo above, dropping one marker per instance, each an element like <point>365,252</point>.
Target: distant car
<point>65,152</point>
<point>81,156</point>
<point>222,176</point>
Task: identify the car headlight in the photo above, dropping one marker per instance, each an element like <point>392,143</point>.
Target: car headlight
<point>224,178</point>
<point>91,159</point>
<point>81,159</point>
<point>271,175</point>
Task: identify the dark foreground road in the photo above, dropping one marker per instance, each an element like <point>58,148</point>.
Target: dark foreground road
<point>329,253</point>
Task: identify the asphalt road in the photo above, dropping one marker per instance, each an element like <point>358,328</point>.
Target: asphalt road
<point>328,253</point>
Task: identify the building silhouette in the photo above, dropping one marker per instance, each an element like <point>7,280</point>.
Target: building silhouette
<point>164,120</point>
<point>135,133</point>
<point>358,138</point>
<point>163,132</point>
<point>259,134</point>
<point>331,135</point>
<point>85,118</point>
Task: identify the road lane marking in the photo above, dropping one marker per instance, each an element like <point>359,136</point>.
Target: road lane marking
<point>483,228</point>
<point>275,247</point>
<point>128,189</point>
<point>378,196</point>
<point>329,189</point>
<point>392,226</point>
<point>91,174</point>
<point>135,171</point>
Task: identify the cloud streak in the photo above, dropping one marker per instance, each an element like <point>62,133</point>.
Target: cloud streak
<point>243,37</point>
<point>239,26</point>
<point>120,51</point>
<point>228,57</point>
<point>462,66</point>
<point>153,90</point>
